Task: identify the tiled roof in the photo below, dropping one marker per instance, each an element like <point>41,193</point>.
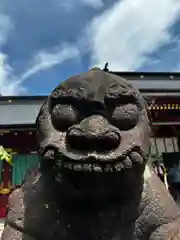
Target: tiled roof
<point>17,114</point>
<point>153,80</point>
<point>20,110</point>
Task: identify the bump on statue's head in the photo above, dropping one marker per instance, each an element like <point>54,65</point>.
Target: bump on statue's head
<point>93,131</point>
<point>95,69</point>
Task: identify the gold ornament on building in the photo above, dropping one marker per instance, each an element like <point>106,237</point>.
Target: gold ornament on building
<point>164,107</point>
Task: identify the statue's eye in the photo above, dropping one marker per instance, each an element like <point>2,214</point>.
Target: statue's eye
<point>126,116</point>
<point>63,116</point>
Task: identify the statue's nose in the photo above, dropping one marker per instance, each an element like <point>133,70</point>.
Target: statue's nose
<point>95,125</point>
<point>93,133</point>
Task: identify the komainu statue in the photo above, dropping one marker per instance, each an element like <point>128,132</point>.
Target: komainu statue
<point>92,181</point>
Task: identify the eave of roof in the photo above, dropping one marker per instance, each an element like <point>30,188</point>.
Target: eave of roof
<point>145,92</point>
<point>18,127</point>
<point>29,97</point>
<point>159,90</point>
<point>137,77</point>
<point>146,74</point>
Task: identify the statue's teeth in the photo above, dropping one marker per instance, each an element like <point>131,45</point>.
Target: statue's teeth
<point>118,167</point>
<point>97,168</point>
<point>77,167</point>
<point>108,168</point>
<point>70,166</point>
<point>66,165</point>
<point>136,157</point>
<point>87,167</point>
<point>127,162</point>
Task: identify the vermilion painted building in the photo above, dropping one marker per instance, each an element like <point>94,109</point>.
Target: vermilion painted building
<point>18,115</point>
<point>17,135</point>
<point>162,94</point>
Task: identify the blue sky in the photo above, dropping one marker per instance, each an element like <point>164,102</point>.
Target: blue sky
<point>44,42</point>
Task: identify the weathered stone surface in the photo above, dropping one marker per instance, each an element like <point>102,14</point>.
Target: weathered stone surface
<point>92,182</point>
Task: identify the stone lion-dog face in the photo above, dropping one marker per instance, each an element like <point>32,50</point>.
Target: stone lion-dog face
<point>93,132</point>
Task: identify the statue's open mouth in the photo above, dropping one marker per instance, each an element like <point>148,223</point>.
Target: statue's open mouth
<point>94,162</point>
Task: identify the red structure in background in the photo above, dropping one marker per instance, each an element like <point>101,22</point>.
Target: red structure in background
<point>17,136</point>
<point>17,127</point>
<point>160,90</point>
<point>20,141</point>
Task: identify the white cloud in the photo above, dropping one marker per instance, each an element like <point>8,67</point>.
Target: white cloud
<point>97,4</point>
<point>12,85</point>
<point>123,36</point>
<point>9,84</point>
<point>46,59</point>
<point>128,31</point>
